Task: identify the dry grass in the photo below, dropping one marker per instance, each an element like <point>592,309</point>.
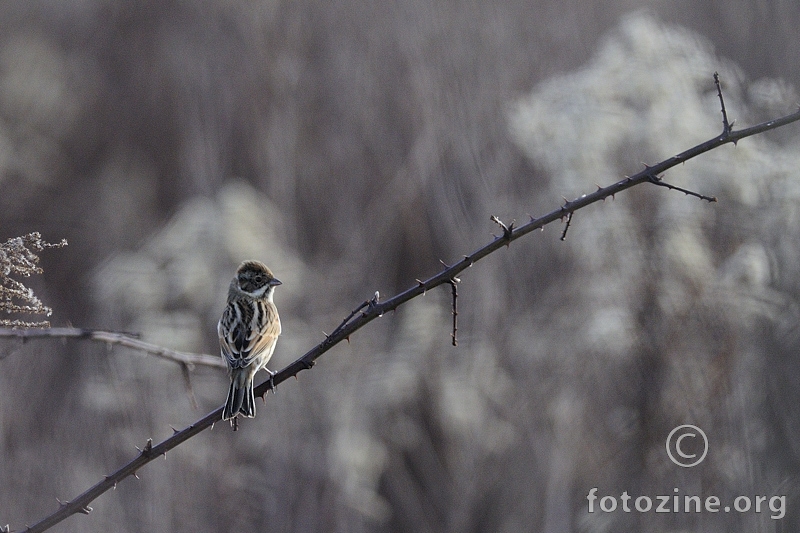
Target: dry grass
<point>18,258</point>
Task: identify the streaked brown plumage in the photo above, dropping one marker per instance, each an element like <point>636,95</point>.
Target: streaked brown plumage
<point>248,331</point>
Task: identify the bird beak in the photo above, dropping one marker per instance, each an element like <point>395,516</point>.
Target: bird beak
<point>275,282</point>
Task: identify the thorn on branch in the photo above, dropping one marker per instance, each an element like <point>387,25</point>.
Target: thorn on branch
<point>148,447</point>
<point>566,228</point>
<point>656,180</point>
<point>85,509</point>
<point>373,303</point>
<point>6,529</point>
<point>454,292</point>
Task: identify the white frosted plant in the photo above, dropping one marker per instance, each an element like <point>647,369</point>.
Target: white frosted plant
<point>18,258</point>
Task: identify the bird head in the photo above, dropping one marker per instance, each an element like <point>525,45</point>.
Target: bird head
<point>255,279</point>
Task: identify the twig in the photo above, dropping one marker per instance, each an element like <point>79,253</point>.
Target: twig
<point>354,323</point>
<point>507,230</point>
<point>727,127</point>
<point>566,228</point>
<point>189,360</point>
<point>454,292</point>
<point>656,180</point>
<point>353,313</point>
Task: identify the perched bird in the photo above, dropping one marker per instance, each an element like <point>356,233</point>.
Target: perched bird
<point>248,331</point>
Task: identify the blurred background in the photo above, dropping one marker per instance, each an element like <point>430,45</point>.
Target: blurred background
<point>351,146</point>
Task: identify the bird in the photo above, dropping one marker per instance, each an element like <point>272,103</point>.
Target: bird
<point>248,331</point>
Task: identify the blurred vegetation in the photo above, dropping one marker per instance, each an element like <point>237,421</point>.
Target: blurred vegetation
<point>350,146</point>
<point>18,258</point>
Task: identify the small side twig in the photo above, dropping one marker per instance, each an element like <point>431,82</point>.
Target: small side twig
<point>727,127</point>
<point>454,292</point>
<point>566,228</point>
<point>656,180</point>
<point>508,231</point>
<point>349,317</point>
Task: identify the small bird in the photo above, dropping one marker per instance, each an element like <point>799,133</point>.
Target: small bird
<point>248,332</point>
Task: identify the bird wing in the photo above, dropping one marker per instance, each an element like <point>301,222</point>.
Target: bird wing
<point>248,331</point>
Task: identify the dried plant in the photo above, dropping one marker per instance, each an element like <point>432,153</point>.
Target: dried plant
<point>18,257</point>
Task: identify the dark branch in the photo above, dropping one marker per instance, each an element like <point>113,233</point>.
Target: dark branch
<point>374,309</point>
<point>727,127</point>
<point>655,180</point>
<point>353,313</point>
<point>454,292</point>
<point>566,228</point>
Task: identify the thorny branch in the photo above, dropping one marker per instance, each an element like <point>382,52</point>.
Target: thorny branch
<point>372,309</point>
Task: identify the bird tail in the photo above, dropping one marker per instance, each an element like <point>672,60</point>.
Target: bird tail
<point>241,399</point>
